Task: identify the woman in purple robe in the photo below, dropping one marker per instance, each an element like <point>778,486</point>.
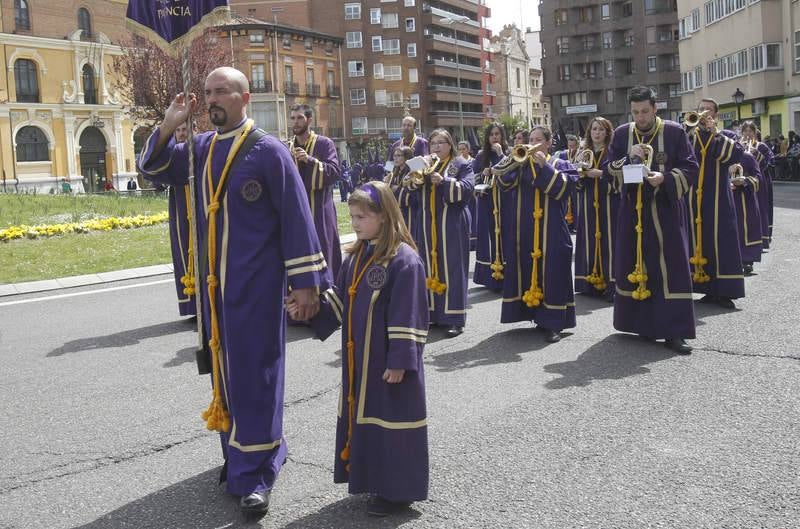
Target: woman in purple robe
<point>489,261</point>
<point>442,233</point>
<point>400,156</point>
<point>748,215</point>
<point>765,159</point>
<point>538,273</point>
<point>597,205</point>
<point>380,301</point>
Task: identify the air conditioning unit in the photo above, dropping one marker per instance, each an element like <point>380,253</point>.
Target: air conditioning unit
<point>758,107</point>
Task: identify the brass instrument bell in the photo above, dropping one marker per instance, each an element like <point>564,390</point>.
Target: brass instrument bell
<point>693,118</point>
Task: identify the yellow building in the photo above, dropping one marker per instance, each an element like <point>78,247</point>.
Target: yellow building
<point>60,117</point>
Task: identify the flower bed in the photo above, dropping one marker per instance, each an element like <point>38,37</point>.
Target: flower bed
<point>105,224</point>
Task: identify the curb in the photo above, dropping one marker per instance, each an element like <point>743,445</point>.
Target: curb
<point>29,287</point>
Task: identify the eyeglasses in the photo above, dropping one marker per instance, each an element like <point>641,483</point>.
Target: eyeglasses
<point>440,143</point>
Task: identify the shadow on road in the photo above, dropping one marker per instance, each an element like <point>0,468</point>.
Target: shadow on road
<point>184,356</point>
<point>121,339</point>
<point>351,513</point>
<point>501,348</point>
<point>615,357</point>
<point>586,304</point>
<point>478,295</point>
<point>196,502</point>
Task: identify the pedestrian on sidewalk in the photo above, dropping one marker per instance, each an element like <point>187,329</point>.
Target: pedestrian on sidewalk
<point>380,301</point>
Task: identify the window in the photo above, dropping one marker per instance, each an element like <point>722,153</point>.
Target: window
<point>286,40</point>
<point>390,20</point>
<point>562,45</point>
<point>288,73</point>
<point>586,14</point>
<point>675,62</point>
<point>609,67</point>
<point>375,15</point>
<point>605,12</point>
<point>608,40</point>
<point>310,80</point>
<point>27,81</point>
<point>698,76</point>
<point>589,70</point>
<point>353,39</point>
<point>89,88</point>
<point>609,96</point>
<point>377,44</point>
<point>560,16</point>
<point>376,124</point>
<point>395,99</point>
<point>695,20</point>
<point>380,98</point>
<point>355,68</point>
<point>796,52</point>
<point>359,125</point>
<point>518,79</point>
<point>684,27</point>
<point>629,38</point>
<point>773,55</point>
<point>665,34</point>
<point>563,72</point>
<point>22,17</point>
<point>410,25</point>
<point>627,9</point>
<point>85,22</point>
<point>651,34</point>
<point>391,47</point>
<point>580,98</point>
<point>377,70</point>
<point>257,79</point>
<point>394,73</point>
<point>413,75</point>
<point>32,145</point>
<point>588,42</point>
<point>309,44</point>
<point>411,49</point>
<point>652,63</point>
<point>331,81</point>
<point>358,96</point>
<point>674,90</point>
<point>410,3</point>
<point>414,100</point>
<point>256,38</point>
<point>352,11</point>
<point>564,100</point>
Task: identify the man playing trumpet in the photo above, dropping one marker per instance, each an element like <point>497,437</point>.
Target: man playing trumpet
<point>651,263</point>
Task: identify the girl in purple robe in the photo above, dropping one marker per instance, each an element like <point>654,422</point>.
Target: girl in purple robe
<point>597,206</point>
<point>489,261</point>
<point>443,232</point>
<point>380,301</point>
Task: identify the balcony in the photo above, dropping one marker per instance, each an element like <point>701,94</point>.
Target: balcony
<point>455,90</point>
<point>441,13</point>
<point>456,113</point>
<point>291,88</point>
<point>260,86</point>
<point>333,91</point>
<point>312,90</point>
<point>453,65</point>
<point>449,40</point>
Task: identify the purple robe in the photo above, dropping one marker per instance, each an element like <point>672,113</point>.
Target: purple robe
<point>179,204</point>
<point>265,239</point>
<point>765,159</point>
<point>571,207</point>
<point>589,211</point>
<point>401,194</point>
<point>720,234</point>
<point>389,443</point>
<point>748,215</point>
<point>473,215</point>
<point>418,144</point>
<point>486,249</point>
<point>319,174</point>
<point>669,311</point>
<point>452,232</point>
<point>554,180</point>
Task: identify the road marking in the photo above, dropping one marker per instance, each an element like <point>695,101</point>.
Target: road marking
<point>85,293</point>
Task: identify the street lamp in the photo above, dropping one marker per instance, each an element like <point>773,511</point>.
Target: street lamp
<point>738,97</point>
<point>452,19</point>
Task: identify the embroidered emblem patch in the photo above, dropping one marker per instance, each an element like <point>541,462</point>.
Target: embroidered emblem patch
<point>251,190</point>
<point>661,157</point>
<point>376,277</point>
<point>452,171</point>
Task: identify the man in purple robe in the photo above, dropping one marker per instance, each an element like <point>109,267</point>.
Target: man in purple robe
<point>538,273</point>
<point>569,154</point>
<point>318,163</point>
<point>410,139</point>
<point>180,242</point>
<point>714,242</point>
<point>765,158</point>
<point>748,215</point>
<point>257,235</point>
<point>651,262</point>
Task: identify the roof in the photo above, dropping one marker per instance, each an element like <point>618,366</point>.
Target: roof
<point>242,22</point>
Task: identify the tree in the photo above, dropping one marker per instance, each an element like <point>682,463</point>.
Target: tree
<point>148,79</point>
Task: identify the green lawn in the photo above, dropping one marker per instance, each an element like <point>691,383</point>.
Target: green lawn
<point>343,217</point>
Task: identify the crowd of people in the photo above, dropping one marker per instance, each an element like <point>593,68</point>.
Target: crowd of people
<point>658,211</point>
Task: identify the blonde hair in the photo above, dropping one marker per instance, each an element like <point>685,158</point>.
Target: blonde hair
<point>393,228</point>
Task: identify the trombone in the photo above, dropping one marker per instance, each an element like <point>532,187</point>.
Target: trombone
<point>416,179</point>
<point>648,155</point>
<point>584,159</point>
<point>693,118</point>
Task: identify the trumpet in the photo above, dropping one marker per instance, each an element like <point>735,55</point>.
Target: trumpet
<point>648,155</point>
<point>483,184</point>
<point>584,159</point>
<point>693,118</point>
<point>417,178</point>
<point>520,153</point>
<point>750,145</point>
<point>736,171</point>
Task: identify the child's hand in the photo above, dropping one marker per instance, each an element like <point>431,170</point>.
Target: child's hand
<point>292,308</point>
<point>393,376</point>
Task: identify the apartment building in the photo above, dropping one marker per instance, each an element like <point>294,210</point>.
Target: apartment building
<point>60,116</point>
<point>594,51</point>
<point>747,50</point>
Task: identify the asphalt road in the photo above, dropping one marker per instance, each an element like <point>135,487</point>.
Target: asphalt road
<point>101,429</point>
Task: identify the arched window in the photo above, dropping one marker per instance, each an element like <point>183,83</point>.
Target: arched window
<point>22,17</point>
<point>32,145</point>
<point>89,89</point>
<point>27,81</point>
<point>85,22</point>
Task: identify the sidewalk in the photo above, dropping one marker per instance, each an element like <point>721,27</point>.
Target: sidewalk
<point>29,287</point>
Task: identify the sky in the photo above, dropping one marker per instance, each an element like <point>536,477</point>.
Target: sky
<point>512,11</point>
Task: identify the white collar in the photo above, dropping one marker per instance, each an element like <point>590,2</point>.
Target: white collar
<point>231,133</point>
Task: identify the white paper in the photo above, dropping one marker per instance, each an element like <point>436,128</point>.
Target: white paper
<point>389,166</point>
<point>634,173</point>
<point>417,163</point>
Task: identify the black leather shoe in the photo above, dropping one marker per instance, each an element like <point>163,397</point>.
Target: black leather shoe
<point>678,345</point>
<point>726,303</point>
<point>748,269</point>
<point>255,502</point>
<point>380,507</point>
<point>551,336</point>
<point>454,331</point>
